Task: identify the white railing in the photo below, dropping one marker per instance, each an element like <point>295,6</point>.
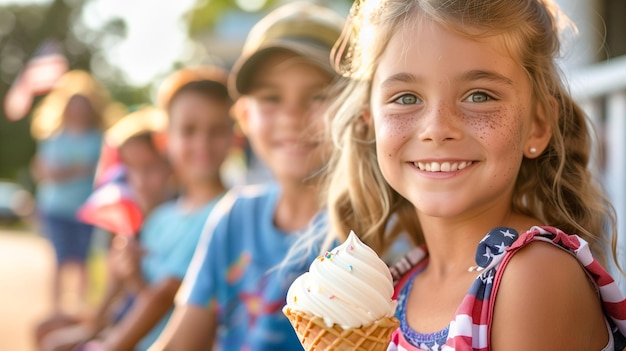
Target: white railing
<point>601,91</point>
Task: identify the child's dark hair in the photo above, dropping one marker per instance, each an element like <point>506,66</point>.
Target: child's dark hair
<point>207,80</point>
<point>207,88</point>
<point>147,138</point>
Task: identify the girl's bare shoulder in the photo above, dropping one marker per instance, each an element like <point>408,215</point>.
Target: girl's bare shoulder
<point>546,301</point>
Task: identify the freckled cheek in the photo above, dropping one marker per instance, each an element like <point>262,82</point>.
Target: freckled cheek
<point>392,131</point>
<point>501,134</point>
<point>502,128</point>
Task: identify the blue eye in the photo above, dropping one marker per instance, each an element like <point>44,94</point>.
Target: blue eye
<point>478,97</point>
<point>407,99</point>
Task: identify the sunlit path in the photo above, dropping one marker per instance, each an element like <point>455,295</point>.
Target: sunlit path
<point>25,262</point>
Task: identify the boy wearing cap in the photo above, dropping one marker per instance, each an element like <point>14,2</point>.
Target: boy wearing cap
<point>232,296</point>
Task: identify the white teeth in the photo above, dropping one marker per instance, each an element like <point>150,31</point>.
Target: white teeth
<point>463,165</point>
<point>442,167</point>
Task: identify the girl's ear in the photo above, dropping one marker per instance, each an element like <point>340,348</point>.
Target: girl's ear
<point>367,116</point>
<point>240,113</point>
<point>540,131</point>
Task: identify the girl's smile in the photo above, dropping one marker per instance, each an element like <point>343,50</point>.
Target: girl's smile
<point>442,169</point>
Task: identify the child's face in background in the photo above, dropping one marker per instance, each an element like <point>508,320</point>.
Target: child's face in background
<point>200,136</point>
<point>453,118</point>
<point>149,174</point>
<point>283,116</point>
<point>78,115</point>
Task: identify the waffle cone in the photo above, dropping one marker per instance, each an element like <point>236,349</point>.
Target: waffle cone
<point>314,334</point>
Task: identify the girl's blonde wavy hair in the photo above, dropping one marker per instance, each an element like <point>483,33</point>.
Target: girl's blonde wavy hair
<point>556,188</point>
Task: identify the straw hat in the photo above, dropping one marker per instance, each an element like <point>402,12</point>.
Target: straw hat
<point>146,119</point>
<point>48,115</point>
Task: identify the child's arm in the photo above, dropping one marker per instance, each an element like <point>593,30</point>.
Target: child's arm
<point>100,318</point>
<point>124,263</point>
<point>44,172</point>
<point>547,302</point>
<point>190,328</point>
<point>70,336</point>
<point>113,290</point>
<point>151,304</point>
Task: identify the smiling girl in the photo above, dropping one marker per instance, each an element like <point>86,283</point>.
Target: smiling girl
<point>456,122</point>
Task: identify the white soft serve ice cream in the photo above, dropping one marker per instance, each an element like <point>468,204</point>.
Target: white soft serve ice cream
<point>349,286</point>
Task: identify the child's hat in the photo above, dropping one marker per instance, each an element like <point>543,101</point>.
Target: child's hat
<point>303,28</point>
<point>175,81</point>
<point>147,119</point>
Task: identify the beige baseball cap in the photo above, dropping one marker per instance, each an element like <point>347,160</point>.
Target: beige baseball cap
<point>303,28</point>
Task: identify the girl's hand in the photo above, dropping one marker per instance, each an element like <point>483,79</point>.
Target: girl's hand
<point>124,261</point>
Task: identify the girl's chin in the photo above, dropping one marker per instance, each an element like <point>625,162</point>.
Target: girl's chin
<point>438,210</point>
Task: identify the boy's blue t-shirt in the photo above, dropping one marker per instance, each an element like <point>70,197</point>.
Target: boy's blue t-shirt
<point>64,150</point>
<point>169,236</point>
<point>235,272</point>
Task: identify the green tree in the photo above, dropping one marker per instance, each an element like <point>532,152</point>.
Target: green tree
<point>207,14</point>
<point>22,29</point>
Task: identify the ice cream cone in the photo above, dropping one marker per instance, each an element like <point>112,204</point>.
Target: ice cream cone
<point>314,334</point>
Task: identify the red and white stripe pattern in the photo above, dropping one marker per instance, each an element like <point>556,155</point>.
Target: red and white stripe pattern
<point>470,329</point>
<point>38,77</point>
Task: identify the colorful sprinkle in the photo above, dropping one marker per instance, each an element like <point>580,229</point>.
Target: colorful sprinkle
<point>350,267</point>
<point>331,297</point>
<point>295,299</point>
<point>350,247</point>
<point>328,254</point>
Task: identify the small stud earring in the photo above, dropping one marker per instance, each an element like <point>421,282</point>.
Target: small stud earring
<point>533,150</point>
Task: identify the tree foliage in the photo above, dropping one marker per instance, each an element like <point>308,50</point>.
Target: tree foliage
<point>207,14</point>
<point>22,29</point>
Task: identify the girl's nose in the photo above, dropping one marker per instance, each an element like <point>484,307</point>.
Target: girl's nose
<point>440,123</point>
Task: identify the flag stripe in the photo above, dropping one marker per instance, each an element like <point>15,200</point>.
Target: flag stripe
<point>38,77</point>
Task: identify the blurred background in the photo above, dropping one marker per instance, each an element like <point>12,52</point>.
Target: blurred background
<point>131,45</point>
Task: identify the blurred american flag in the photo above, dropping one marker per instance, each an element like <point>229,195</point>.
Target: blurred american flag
<point>38,77</point>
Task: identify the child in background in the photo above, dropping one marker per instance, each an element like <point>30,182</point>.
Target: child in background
<point>231,295</point>
<point>136,142</point>
<point>198,141</point>
<point>64,168</point>
<point>456,120</point>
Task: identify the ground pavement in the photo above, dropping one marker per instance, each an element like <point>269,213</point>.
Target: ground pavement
<point>25,263</point>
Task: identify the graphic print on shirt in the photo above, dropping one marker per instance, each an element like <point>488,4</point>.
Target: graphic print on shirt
<point>256,303</point>
<point>236,271</point>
